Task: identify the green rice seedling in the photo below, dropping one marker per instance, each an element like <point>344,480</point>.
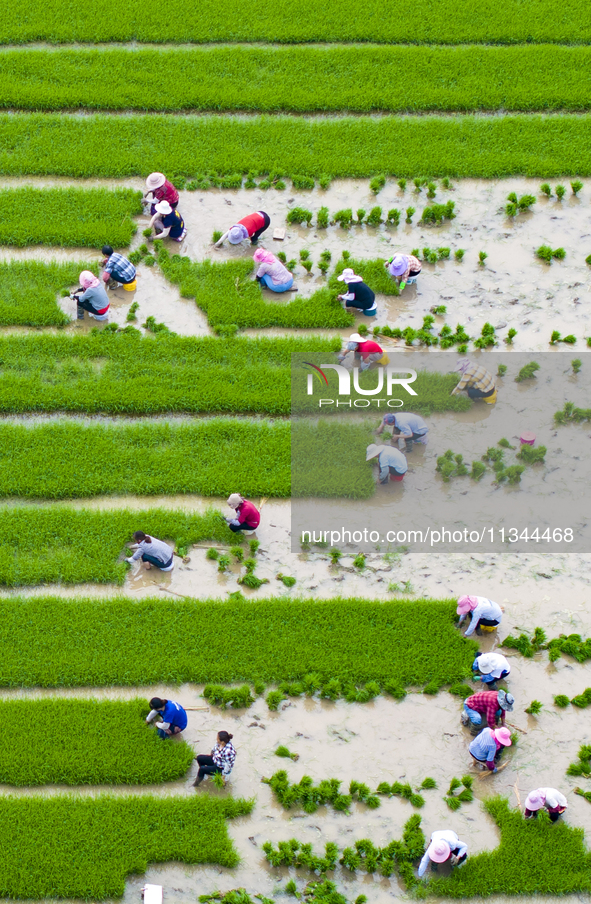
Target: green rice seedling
<point>134,257</point>
<point>291,265</point>
<point>359,791</point>
<point>410,212</point>
<point>284,751</point>
<point>299,215</point>
<point>555,337</point>
<point>307,795</point>
<point>559,254</point>
<point>525,202</point>
<point>570,339</point>
<point>428,783</point>
<point>437,213</point>
<point>560,192</point>
<point>482,256</point>
<point>527,372</point>
<point>512,198</point>
<point>37,754</point>
<point>251,581</point>
<point>361,215</point>
<point>501,370</point>
<point>535,708</point>
<point>302,182</point>
<point>154,327</point>
<point>344,218</point>
<point>443,254</point>
<point>223,563</point>
<point>147,232</point>
<point>478,469</point>
<point>505,443</point>
<point>582,700</point>
<point>323,266</point>
<point>432,190</point>
<point>544,252</point>
<point>291,889</point>
<point>216,236</point>
<point>304,254</point>
<point>218,781</point>
<point>446,183</point>
<point>307,265</point>
<point>324,181</point>
<point>571,413</point>
<point>281,255</point>
<point>487,337</point>
<point>461,690</point>
<point>401,184</point>
<point>546,190</point>
<point>561,700</point>
<point>462,349</point>
<point>250,564</point>
<point>212,554</point>
<point>102,215</point>
<point>149,261</point>
<point>576,365</point>
<point>576,187</point>
<point>511,209</point>
<point>440,310</point>
<point>287,580</point>
<point>110,838</point>
<point>374,217</point>
<point>293,853</point>
<point>532,455</point>
<point>237,552</point>
<point>359,561</point>
<point>415,252</point>
<point>393,217</point>
<point>102,640</point>
<point>322,218</point>
<point>326,255</point>
<point>510,336</point>
<point>377,184</point>
<point>418,183</point>
<point>273,699</point>
<point>527,646</point>
<point>236,697</point>
<point>253,546</point>
<point>131,317</point>
<point>512,474</point>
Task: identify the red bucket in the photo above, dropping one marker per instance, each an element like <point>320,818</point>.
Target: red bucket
<point>527,438</point>
<point>396,476</point>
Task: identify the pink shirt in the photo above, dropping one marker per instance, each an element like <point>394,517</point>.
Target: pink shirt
<point>278,273</point>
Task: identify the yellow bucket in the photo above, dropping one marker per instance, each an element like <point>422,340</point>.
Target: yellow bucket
<point>491,399</point>
<point>131,286</point>
<point>488,628</point>
<point>384,359</point>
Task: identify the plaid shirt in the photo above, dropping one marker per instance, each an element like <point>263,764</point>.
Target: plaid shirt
<point>487,704</point>
<point>120,268</point>
<point>476,377</point>
<point>412,263</point>
<point>224,757</point>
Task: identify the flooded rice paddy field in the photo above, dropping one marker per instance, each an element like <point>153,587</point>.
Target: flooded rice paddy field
<point>422,735</point>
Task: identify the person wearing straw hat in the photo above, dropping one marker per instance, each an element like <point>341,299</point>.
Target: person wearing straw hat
<point>117,270</point>
<point>487,747</point>
<point>492,667</point>
<point>405,268</point>
<point>250,227</point>
<point>492,705</point>
<point>160,189</point>
<point>407,429</point>
<point>367,352</point>
<point>391,461</point>
<point>272,274</point>
<point>554,802</point>
<point>443,846</point>
<point>91,297</point>
<point>169,221</point>
<point>484,614</point>
<point>358,294</point>
<point>476,381</point>
<point>247,517</point>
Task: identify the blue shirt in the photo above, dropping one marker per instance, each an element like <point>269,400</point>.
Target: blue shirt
<point>484,746</point>
<point>175,715</point>
<point>392,458</point>
<point>407,423</point>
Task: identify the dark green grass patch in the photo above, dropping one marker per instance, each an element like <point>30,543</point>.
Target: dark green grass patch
<point>534,857</point>
<point>209,458</point>
<point>68,216</point>
<point>83,847</point>
<point>29,289</point>
<point>73,546</point>
<point>300,79</point>
<point>86,742</point>
<point>117,374</point>
<point>103,642</point>
<point>229,295</point>
<point>476,146</point>
<point>448,22</point>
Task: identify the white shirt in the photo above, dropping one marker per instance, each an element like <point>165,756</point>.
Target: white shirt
<point>497,661</point>
<point>457,847</point>
<point>553,797</point>
<point>484,609</point>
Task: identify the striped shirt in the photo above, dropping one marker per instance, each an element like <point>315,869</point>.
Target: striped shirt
<point>484,747</point>
<point>120,268</point>
<point>224,757</point>
<point>487,704</point>
<point>476,377</point>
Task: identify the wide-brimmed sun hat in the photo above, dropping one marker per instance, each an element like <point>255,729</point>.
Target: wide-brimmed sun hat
<point>348,275</point>
<point>155,180</point>
<point>356,338</point>
<point>237,234</point>
<point>486,663</point>
<point>163,207</point>
<point>503,736</point>
<point>466,604</point>
<point>373,450</point>
<point>535,800</point>
<point>235,499</point>
<point>439,851</point>
<point>398,265</point>
<point>506,701</point>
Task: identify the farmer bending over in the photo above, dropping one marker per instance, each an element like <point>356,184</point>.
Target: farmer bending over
<point>272,274</point>
<point>250,227</point>
<point>554,802</point>
<point>117,270</point>
<point>367,352</point>
<point>483,614</point>
<point>392,463</point>
<point>169,222</point>
<point>358,294</point>
<point>173,716</point>
<point>487,747</point>
<point>477,381</point>
<point>405,268</point>
<point>408,428</point>
<point>491,704</point>
<point>152,552</point>
<point>247,517</point>
<point>160,189</point>
<point>492,667</point>
<point>443,846</point>
<point>92,297</point>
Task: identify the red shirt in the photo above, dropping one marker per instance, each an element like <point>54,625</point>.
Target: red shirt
<point>167,192</point>
<point>487,704</point>
<point>252,222</point>
<point>248,514</point>
<point>368,348</point>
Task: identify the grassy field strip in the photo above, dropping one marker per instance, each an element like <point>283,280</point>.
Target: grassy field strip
<point>86,742</point>
<point>115,374</point>
<point>71,217</point>
<point>70,846</point>
<point>103,642</point>
<point>29,289</point>
<point>449,22</point>
<point>463,146</point>
<point>209,458</point>
<point>64,545</point>
<point>300,79</point>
